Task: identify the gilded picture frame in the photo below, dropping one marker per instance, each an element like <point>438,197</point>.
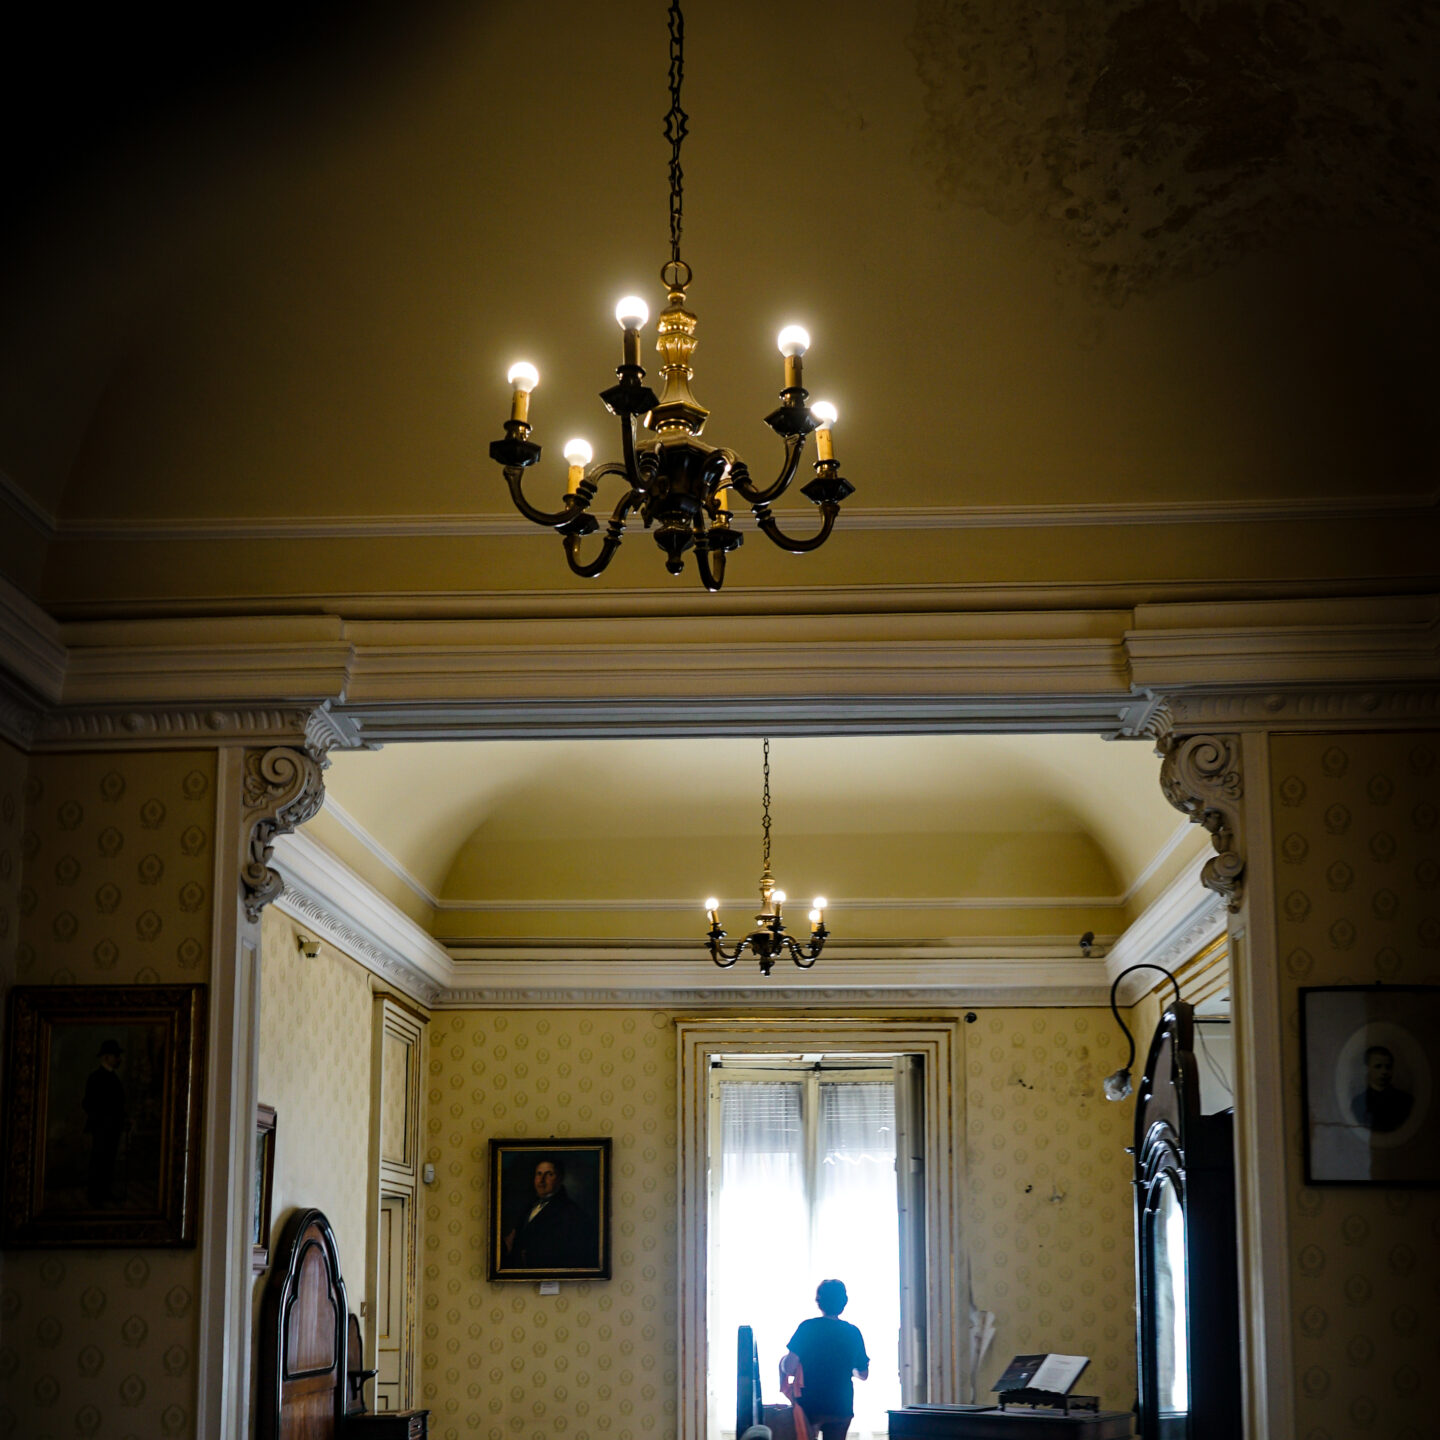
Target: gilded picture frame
<point>550,1209</point>
<point>103,1107</point>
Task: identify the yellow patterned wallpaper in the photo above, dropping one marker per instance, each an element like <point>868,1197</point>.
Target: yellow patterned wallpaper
<point>1048,1201</point>
<point>500,1360</point>
<point>118,860</point>
<point>1357,859</point>
<point>315,1056</point>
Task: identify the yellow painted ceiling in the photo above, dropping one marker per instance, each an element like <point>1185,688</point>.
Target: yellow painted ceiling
<point>1048,255</point>
<point>648,826</point>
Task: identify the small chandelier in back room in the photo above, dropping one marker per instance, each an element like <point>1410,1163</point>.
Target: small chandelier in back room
<point>768,939</point>
<point>680,486</point>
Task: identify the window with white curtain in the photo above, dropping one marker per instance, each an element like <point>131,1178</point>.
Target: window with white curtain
<point>802,1188</point>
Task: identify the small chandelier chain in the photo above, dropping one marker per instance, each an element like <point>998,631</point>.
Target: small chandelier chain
<point>766,848</point>
<point>677,126</point>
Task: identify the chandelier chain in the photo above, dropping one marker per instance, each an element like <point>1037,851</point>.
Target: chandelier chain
<point>766,848</point>
<point>677,126</point>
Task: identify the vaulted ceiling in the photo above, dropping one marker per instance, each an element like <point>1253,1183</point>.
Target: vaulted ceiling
<point>1117,302</point>
<point>1011,840</point>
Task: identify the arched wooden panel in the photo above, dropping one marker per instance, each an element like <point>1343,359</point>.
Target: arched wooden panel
<point>303,1318</point>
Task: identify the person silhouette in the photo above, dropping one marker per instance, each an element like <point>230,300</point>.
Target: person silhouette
<point>823,1358</point>
<point>105,1123</point>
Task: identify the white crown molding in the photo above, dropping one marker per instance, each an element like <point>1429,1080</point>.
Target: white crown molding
<point>30,645</point>
<point>347,822</point>
<point>1183,918</point>
<point>685,980</point>
<point>323,892</point>
<point>15,498</point>
<point>186,530</point>
<point>1276,645</point>
<point>837,907</point>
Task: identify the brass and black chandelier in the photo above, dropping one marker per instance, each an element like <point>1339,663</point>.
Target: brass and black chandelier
<point>768,940</point>
<point>680,486</point>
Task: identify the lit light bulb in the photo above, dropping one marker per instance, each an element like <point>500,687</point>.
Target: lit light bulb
<point>579,454</point>
<point>779,897</point>
<point>815,917</point>
<point>632,313</point>
<point>524,377</point>
<point>827,415</point>
<point>712,904</point>
<point>820,902</point>
<point>794,341</point>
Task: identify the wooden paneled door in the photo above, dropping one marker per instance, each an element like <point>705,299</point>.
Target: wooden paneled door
<point>393,1267</point>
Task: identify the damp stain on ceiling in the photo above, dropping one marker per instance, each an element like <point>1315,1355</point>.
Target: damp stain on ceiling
<point>1152,142</point>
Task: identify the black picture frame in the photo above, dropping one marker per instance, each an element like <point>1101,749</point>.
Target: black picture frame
<point>104,1102</point>
<point>264,1187</point>
<point>1370,1067</point>
<point>566,1238</point>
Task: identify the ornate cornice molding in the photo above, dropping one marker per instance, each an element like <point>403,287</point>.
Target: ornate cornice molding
<point>316,728</point>
<point>19,715</point>
<point>1200,776</point>
<point>283,788</point>
<point>1297,706</point>
<point>323,892</point>
<point>1183,919</point>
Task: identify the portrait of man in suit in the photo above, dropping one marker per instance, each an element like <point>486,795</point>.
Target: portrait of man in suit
<point>550,1209</point>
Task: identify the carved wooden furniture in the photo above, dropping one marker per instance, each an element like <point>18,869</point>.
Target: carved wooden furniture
<point>1187,1280</point>
<point>986,1422</point>
<point>306,1333</point>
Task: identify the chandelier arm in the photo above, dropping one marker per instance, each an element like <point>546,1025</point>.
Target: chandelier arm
<point>614,532</point>
<point>711,578</point>
<point>575,504</point>
<point>631,467</point>
<point>743,485</point>
<point>798,547</point>
<point>608,546</point>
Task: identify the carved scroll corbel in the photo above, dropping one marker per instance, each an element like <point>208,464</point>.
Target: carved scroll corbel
<point>1200,775</point>
<point>283,789</point>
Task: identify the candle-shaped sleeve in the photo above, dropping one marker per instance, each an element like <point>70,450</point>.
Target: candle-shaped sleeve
<point>827,415</point>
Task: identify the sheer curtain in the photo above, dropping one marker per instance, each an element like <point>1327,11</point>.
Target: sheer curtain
<point>796,1204</point>
<point>760,1262</point>
<point>856,1233</point>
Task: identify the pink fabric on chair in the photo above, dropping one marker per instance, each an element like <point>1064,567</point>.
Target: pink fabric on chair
<point>792,1385</point>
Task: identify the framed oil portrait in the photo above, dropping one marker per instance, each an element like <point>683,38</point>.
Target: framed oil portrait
<point>264,1188</point>
<point>103,1088</point>
<point>550,1209</point>
<point>1370,1057</point>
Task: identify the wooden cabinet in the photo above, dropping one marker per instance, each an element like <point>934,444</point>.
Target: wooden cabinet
<point>388,1425</point>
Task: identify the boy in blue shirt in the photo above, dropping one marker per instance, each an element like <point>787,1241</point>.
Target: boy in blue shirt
<point>829,1351</point>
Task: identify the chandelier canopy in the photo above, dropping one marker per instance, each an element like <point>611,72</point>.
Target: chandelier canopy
<point>681,487</point>
<point>768,940</point>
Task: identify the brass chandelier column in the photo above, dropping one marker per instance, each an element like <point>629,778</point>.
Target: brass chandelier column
<point>681,487</point>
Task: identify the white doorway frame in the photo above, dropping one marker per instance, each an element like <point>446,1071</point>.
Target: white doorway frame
<point>940,1041</point>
